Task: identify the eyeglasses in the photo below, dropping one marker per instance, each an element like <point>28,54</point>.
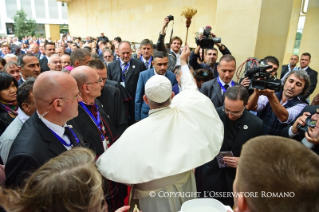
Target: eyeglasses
<point>77,96</point>
<point>107,56</point>
<point>104,78</point>
<point>99,81</point>
<point>234,114</point>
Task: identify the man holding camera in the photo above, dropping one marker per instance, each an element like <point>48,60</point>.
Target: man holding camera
<point>281,108</point>
<point>305,128</point>
<point>210,56</point>
<point>174,53</point>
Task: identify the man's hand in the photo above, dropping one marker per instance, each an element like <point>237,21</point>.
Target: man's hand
<point>265,92</point>
<point>231,161</point>
<point>165,23</point>
<point>315,100</point>
<point>313,134</point>
<point>245,82</point>
<point>185,54</point>
<point>301,120</point>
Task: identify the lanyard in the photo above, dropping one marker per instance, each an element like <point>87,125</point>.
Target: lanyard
<point>96,120</point>
<point>223,88</point>
<point>124,69</point>
<point>63,141</point>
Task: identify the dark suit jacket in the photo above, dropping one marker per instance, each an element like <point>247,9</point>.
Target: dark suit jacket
<point>5,120</point>
<point>209,174</point>
<point>44,64</point>
<point>114,72</point>
<point>20,81</point>
<point>141,108</point>
<point>113,106</point>
<point>285,132</point>
<point>34,145</point>
<point>84,124</point>
<point>38,55</point>
<point>212,90</point>
<point>284,70</point>
<point>175,89</point>
<point>68,51</point>
<point>313,83</point>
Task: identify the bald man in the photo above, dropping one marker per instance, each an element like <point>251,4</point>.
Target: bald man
<point>45,134</point>
<point>54,63</point>
<point>95,125</point>
<point>65,60</point>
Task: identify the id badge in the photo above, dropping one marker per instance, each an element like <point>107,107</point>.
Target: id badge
<point>105,143</point>
<point>123,84</point>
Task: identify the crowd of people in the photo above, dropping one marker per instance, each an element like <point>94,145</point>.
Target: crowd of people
<point>83,119</point>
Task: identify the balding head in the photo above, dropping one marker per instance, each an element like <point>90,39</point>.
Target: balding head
<point>55,93</point>
<point>89,82</point>
<point>54,62</point>
<point>34,48</point>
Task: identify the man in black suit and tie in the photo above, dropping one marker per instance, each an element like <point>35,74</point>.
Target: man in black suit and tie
<point>29,67</point>
<point>289,67</point>
<point>126,71</point>
<point>45,134</point>
<point>216,88</point>
<point>304,64</point>
<point>239,126</point>
<point>49,49</point>
<point>146,53</point>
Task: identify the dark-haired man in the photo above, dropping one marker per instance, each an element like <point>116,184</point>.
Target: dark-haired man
<point>279,109</point>
<point>292,65</point>
<point>146,53</point>
<point>49,49</point>
<point>304,64</point>
<point>29,67</point>
<point>80,57</point>
<point>160,63</point>
<point>239,126</point>
<point>216,88</point>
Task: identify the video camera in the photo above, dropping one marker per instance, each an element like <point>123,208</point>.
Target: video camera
<point>208,41</point>
<point>260,78</point>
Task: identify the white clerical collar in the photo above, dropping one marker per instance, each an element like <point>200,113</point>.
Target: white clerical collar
<point>22,116</point>
<point>54,127</point>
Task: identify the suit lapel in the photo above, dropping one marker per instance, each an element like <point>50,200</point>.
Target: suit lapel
<point>118,71</point>
<point>131,69</point>
<point>217,89</point>
<point>55,145</point>
<point>243,130</point>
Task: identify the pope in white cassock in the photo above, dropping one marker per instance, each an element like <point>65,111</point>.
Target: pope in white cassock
<point>156,155</point>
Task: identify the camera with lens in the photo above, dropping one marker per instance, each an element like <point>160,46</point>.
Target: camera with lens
<point>261,78</point>
<point>170,18</point>
<point>207,41</point>
<point>309,123</point>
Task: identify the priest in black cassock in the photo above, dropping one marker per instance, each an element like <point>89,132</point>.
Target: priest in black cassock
<point>239,126</point>
<point>94,125</point>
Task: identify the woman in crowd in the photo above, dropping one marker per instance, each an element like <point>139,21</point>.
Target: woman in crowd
<point>8,100</point>
<point>69,182</point>
<point>2,64</point>
<point>202,75</point>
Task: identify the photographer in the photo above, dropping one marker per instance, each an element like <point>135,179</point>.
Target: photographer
<point>280,108</point>
<point>174,53</point>
<point>210,57</point>
<point>269,60</point>
<point>305,128</point>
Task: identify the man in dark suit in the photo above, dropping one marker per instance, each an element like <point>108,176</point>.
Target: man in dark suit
<point>110,98</point>
<point>68,50</point>
<point>239,126</point>
<point>49,49</point>
<point>95,125</point>
<point>289,67</point>
<point>35,50</point>
<point>45,134</point>
<point>29,67</point>
<point>146,53</point>
<point>309,138</point>
<point>304,64</point>
<point>126,71</point>
<point>216,88</point>
<point>160,63</point>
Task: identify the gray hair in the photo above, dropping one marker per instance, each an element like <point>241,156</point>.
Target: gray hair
<point>54,55</point>
<point>107,50</point>
<point>237,92</point>
<point>178,69</point>
<point>9,65</point>
<point>302,75</point>
<point>80,79</point>
<point>10,56</point>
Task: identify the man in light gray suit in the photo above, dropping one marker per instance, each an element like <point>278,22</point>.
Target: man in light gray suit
<point>215,89</point>
<point>26,109</point>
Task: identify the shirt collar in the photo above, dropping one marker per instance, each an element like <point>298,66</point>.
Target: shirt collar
<point>54,127</point>
<point>22,116</point>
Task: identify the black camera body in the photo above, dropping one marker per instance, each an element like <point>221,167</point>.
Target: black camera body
<point>309,123</point>
<point>261,79</point>
<point>170,18</point>
<point>208,41</point>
